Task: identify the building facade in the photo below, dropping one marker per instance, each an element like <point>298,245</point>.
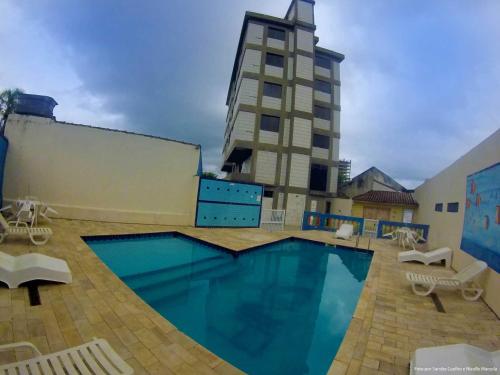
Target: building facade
<point>371,179</point>
<point>283,119</point>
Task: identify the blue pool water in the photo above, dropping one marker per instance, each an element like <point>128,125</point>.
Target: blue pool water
<point>281,309</point>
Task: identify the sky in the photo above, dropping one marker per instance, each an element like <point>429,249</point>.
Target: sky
<point>420,81</point>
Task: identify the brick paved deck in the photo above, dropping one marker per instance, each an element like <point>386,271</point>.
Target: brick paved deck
<point>388,325</point>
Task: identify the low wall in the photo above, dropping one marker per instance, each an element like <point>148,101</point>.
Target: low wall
<point>449,186</point>
<point>99,174</point>
<point>342,206</point>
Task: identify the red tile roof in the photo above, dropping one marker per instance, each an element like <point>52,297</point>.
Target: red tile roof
<point>389,197</point>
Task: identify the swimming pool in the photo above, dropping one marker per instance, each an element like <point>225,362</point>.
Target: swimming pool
<point>281,309</point>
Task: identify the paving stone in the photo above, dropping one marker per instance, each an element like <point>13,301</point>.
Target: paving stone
<point>388,324</point>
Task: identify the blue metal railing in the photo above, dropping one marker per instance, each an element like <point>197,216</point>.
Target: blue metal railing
<point>385,227</point>
<point>330,222</point>
<point>4,144</point>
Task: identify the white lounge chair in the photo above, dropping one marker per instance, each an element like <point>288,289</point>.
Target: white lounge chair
<point>443,253</point>
<point>423,285</point>
<point>94,357</point>
<point>345,231</point>
<point>27,267</point>
<point>450,357</point>
<point>38,236</point>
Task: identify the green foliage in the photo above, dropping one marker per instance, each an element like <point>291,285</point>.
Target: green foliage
<point>8,99</point>
<point>211,175</point>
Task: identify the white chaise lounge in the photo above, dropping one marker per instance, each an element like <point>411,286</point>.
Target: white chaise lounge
<point>345,231</point>
<point>27,267</point>
<point>38,236</point>
<point>95,357</point>
<point>427,258</point>
<point>423,285</point>
<point>453,358</point>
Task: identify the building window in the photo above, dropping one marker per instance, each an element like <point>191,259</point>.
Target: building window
<point>275,60</point>
<point>438,207</point>
<point>323,61</point>
<point>321,141</point>
<point>276,33</point>
<point>268,193</point>
<point>318,177</point>
<point>452,207</point>
<point>272,89</point>
<point>322,112</point>
<point>323,86</point>
<point>328,207</point>
<point>270,123</point>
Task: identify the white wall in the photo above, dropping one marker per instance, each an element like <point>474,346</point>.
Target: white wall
<point>335,148</point>
<point>284,160</point>
<point>244,126</point>
<point>288,98</point>
<point>271,102</point>
<point>296,203</point>
<point>320,123</point>
<point>255,33</point>
<point>303,98</point>
<point>290,68</point>
<point>322,96</point>
<point>286,132</point>
<point>247,93</point>
<point>319,70</point>
<point>305,40</point>
<point>275,43</point>
<point>341,206</point>
<point>273,71</point>
<point>266,167</point>
<point>299,171</point>
<point>334,175</point>
<point>251,61</point>
<point>266,136</point>
<point>304,67</point>
<point>305,12</point>
<point>318,152</point>
<point>301,136</point>
<point>446,227</point>
<point>336,121</point>
<point>98,174</point>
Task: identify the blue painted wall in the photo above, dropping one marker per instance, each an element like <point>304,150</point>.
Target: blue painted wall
<point>228,204</point>
<point>4,144</point>
<point>481,230</point>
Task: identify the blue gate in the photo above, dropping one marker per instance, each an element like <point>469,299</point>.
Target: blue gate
<point>228,204</point>
<point>4,144</point>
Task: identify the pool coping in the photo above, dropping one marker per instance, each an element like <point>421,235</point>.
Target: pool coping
<point>350,334</point>
<point>234,252</point>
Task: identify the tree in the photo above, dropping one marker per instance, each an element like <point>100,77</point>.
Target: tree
<point>211,175</point>
<point>8,100</point>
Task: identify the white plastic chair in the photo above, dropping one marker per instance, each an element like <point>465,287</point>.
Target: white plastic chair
<point>423,285</point>
<point>17,270</point>
<point>345,232</point>
<point>455,358</point>
<point>38,236</point>
<point>95,357</point>
<point>437,255</point>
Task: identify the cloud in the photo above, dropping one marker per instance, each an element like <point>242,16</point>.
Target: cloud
<point>414,97</point>
<point>418,83</point>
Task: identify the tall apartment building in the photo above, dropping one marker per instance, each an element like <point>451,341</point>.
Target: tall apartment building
<point>283,118</point>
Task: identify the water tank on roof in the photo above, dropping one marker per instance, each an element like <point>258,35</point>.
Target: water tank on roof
<point>35,105</point>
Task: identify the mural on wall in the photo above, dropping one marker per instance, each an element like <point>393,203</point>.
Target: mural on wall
<point>481,232</point>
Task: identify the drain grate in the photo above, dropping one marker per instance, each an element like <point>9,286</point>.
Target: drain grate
<point>437,303</point>
<point>33,293</point>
